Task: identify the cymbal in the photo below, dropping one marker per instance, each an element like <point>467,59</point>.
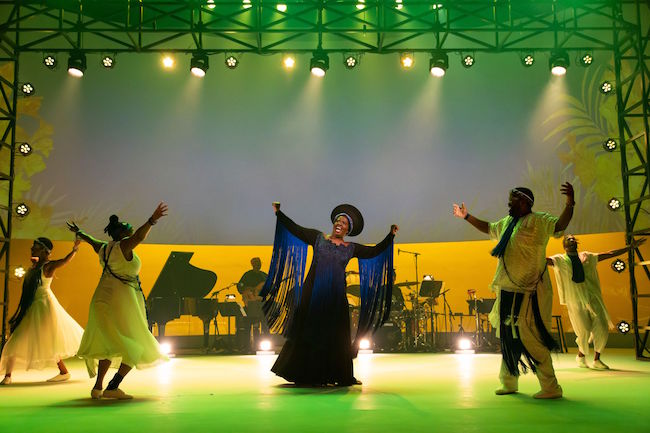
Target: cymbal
<point>406,284</point>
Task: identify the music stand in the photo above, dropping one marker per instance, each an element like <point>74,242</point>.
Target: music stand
<point>430,288</point>
<point>483,306</point>
<point>254,311</point>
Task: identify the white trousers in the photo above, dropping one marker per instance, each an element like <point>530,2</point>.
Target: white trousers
<point>532,342</point>
<point>590,322</point>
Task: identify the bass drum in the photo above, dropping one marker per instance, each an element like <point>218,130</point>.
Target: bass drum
<point>388,338</point>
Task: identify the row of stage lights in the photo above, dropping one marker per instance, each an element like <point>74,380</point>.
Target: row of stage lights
<point>320,63</point>
<point>283,7</point>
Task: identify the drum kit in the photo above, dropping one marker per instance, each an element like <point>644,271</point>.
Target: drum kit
<point>414,324</point>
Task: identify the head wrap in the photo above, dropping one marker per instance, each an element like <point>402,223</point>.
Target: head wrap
<point>352,214</point>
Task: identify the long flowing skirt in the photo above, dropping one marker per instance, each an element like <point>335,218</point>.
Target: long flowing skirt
<point>117,328</point>
<point>46,335</point>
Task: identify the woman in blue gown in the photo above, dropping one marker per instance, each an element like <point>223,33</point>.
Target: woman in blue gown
<point>313,314</point>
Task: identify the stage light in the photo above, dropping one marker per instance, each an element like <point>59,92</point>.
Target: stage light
<point>468,61</point>
<point>319,64</point>
<point>437,6</point>
<point>49,61</point>
<point>20,272</point>
<point>199,64</point>
<point>398,4</point>
<point>210,4</point>
<point>427,278</point>
<point>24,149</point>
<point>528,60</point>
<point>618,266</point>
<point>289,61</point>
<point>166,348</point>
<point>282,7</point>
<point>231,297</point>
<point>361,4</point>
<point>77,64</point>
<point>623,327</point>
<point>364,344</point>
<point>22,210</point>
<point>610,145</point>
<point>614,204</point>
<point>247,4</point>
<point>464,344</point>
<point>439,63</point>
<point>350,61</point>
<point>231,62</point>
<point>266,345</point>
<point>587,59</point>
<point>407,60</point>
<point>27,89</point>
<point>108,61</point>
<point>168,62</point>
<point>606,87</point>
<point>559,62</point>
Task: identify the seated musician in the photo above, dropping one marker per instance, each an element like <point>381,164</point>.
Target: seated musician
<point>249,287</point>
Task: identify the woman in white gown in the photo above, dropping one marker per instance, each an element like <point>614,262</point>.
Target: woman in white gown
<point>117,332</point>
<point>42,332</point>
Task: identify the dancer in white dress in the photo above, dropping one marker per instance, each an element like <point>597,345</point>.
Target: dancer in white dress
<point>42,332</point>
<point>117,332</point>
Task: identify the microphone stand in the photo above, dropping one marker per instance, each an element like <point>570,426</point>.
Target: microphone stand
<point>416,307</point>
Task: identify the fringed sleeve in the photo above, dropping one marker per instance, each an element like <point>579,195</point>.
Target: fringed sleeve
<point>283,287</point>
<point>376,281</point>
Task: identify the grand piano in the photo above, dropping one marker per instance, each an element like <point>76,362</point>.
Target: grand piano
<point>180,290</point>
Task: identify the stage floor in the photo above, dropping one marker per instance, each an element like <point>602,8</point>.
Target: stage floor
<point>401,392</point>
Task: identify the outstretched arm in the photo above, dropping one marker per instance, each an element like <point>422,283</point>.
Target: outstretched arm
<point>53,265</point>
<point>306,235</point>
<point>565,218</point>
<point>609,254</point>
<point>368,252</point>
<point>461,212</point>
<point>141,233</point>
<point>95,243</point>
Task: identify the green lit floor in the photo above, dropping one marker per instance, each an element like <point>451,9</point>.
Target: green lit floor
<point>401,392</point>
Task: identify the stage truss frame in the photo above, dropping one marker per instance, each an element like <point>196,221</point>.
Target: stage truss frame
<point>619,27</point>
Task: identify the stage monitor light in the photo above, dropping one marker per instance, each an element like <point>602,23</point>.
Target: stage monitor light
<point>168,61</point>
<point>231,297</point>
<point>49,61</point>
<point>27,89</point>
<point>350,61</point>
<point>266,345</point>
<point>623,327</point>
<point>24,148</point>
<point>282,7</point>
<point>398,4</point>
<point>614,204</point>
<point>199,64</point>
<point>108,61</point>
<point>439,63</point>
<point>559,62</point>
<point>231,62</point>
<point>20,272</point>
<point>407,60</point>
<point>528,60</point>
<point>361,4</point>
<point>606,88</point>
<point>464,343</point>
<point>364,344</point>
<point>319,64</point>
<point>77,64</point>
<point>166,348</point>
<point>587,59</point>
<point>22,210</point>
<point>610,145</point>
<point>210,4</point>
<point>468,61</point>
<point>247,4</point>
<point>288,61</point>
<point>427,278</point>
<point>618,266</point>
